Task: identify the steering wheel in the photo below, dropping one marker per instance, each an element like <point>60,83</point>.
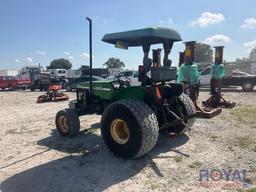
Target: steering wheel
<point>124,81</point>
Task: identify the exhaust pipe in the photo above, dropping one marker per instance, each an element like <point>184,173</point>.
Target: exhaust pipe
<point>90,52</point>
<point>219,54</point>
<point>190,52</point>
<point>181,58</point>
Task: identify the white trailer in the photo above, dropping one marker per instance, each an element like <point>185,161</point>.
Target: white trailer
<point>58,72</point>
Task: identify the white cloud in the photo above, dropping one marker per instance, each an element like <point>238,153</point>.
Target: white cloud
<point>208,18</point>
<point>17,60</point>
<point>249,23</point>
<point>166,22</point>
<point>250,44</point>
<point>103,20</point>
<point>85,56</point>
<point>217,39</point>
<point>67,53</point>
<point>71,57</point>
<point>29,59</point>
<point>41,52</point>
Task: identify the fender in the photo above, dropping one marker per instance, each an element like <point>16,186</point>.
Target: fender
<point>132,92</point>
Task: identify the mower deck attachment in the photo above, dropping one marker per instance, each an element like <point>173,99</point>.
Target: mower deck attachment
<point>52,95</point>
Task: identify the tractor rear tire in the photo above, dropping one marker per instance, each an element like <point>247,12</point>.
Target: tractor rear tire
<point>129,128</point>
<point>188,110</point>
<point>67,123</point>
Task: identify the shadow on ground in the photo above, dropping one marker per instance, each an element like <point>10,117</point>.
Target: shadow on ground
<point>228,89</point>
<point>91,168</point>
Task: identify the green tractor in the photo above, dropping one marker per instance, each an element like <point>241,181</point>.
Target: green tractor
<point>133,116</point>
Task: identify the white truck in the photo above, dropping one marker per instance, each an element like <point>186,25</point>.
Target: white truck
<point>234,78</point>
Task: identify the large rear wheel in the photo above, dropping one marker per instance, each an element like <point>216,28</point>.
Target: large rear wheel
<point>129,128</point>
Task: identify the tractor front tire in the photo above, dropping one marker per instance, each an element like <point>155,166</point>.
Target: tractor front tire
<point>129,128</point>
<point>67,123</point>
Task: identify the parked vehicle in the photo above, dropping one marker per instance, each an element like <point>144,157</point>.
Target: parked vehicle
<point>73,83</point>
<point>8,82</point>
<point>74,73</point>
<point>57,72</point>
<point>39,78</point>
<point>238,78</point>
<point>23,83</point>
<point>130,76</point>
<point>101,72</point>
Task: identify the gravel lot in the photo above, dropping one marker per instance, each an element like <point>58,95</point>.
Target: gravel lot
<point>33,157</point>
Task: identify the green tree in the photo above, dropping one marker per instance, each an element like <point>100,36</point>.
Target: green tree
<point>60,64</point>
<point>114,63</point>
<point>203,53</point>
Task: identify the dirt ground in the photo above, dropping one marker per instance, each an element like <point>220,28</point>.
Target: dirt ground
<point>33,157</point>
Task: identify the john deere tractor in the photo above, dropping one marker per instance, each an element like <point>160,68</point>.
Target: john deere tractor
<point>133,116</point>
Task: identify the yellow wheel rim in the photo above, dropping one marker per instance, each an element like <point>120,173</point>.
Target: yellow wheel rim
<point>119,131</point>
<point>63,124</point>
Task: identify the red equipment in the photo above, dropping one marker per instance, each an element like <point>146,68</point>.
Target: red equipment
<point>52,95</point>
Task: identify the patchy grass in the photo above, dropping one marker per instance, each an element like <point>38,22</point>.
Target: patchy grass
<point>249,180</point>
<point>178,158</point>
<point>231,148</point>
<point>254,149</point>
<point>245,142</point>
<point>195,165</point>
<point>214,137</point>
<point>245,115</point>
<point>248,190</point>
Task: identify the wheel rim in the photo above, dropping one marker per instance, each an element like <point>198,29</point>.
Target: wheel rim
<point>119,131</point>
<point>247,85</point>
<point>63,124</point>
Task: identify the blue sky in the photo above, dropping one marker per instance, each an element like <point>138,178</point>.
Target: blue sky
<point>34,31</point>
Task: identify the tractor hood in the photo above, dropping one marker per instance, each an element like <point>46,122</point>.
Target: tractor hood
<point>140,37</point>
